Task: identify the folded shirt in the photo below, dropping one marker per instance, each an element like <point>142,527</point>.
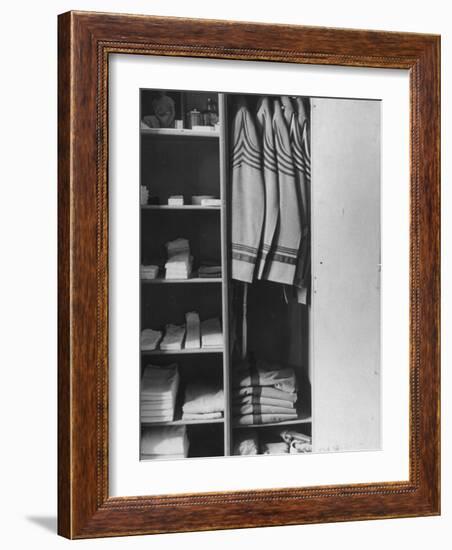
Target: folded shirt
<point>174,337</point>
<point>203,397</point>
<point>211,334</point>
<point>246,442</point>
<point>164,440</point>
<point>150,339</point>
<point>201,416</point>
<point>261,409</point>
<point>264,391</point>
<point>250,419</point>
<point>265,374</point>
<point>281,447</point>
<point>255,400</point>
<point>193,330</point>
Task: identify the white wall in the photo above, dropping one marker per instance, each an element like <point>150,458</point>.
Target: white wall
<point>28,275</point>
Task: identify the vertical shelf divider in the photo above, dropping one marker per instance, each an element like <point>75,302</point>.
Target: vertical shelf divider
<point>225,269</point>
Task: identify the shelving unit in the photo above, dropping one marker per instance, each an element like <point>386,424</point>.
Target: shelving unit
<point>193,162</point>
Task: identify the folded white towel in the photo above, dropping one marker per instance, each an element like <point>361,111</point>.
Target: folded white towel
<point>174,337</point>
<point>203,397</point>
<point>202,416</point>
<point>164,440</point>
<point>150,339</point>
<point>193,335</point>
<point>161,382</point>
<point>211,334</point>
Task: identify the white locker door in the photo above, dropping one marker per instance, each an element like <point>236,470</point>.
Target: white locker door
<point>345,335</point>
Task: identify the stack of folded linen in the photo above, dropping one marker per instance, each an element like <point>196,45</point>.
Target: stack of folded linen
<point>208,270</point>
<point>148,272</point>
<point>179,263</point>
<point>159,387</point>
<point>150,339</point>
<point>203,401</point>
<point>263,393</point>
<point>174,338</point>
<point>164,442</point>
<point>211,334</point>
<point>193,334</point>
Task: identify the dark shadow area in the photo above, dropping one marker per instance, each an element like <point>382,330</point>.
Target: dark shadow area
<point>46,522</point>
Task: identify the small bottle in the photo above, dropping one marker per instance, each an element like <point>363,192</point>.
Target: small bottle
<point>212,109</point>
<point>195,118</point>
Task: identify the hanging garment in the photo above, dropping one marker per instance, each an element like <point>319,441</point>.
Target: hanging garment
<point>270,171</point>
<point>282,257</point>
<point>299,134</point>
<point>247,196</point>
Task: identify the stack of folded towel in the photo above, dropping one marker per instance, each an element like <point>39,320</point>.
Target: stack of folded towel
<point>209,270</point>
<point>203,401</point>
<point>164,442</point>
<point>211,334</point>
<point>174,338</point>
<point>148,272</point>
<point>263,393</point>
<point>159,387</point>
<point>150,339</point>
<point>179,263</point>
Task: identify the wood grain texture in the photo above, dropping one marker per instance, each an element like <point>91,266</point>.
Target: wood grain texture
<point>85,42</point>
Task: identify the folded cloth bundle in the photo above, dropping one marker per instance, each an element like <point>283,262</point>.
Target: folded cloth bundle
<point>144,194</point>
<point>174,337</point>
<point>299,443</point>
<point>300,447</point>
<point>179,263</point>
<point>262,401</point>
<point>211,334</point>
<point>263,373</point>
<point>159,385</point>
<point>264,418</point>
<point>202,416</point>
<point>203,398</point>
<point>209,271</point>
<point>246,442</point>
<point>193,334</point>
<point>251,408</point>
<point>149,272</point>
<point>278,448</point>
<point>264,391</point>
<point>164,442</point>
<point>150,339</point>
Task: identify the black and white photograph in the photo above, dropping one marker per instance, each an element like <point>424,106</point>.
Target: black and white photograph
<point>260,273</point>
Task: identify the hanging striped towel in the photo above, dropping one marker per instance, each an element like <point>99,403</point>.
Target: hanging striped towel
<point>248,199</point>
<point>282,257</point>
<point>270,171</point>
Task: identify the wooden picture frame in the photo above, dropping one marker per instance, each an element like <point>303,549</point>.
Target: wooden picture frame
<point>86,40</point>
